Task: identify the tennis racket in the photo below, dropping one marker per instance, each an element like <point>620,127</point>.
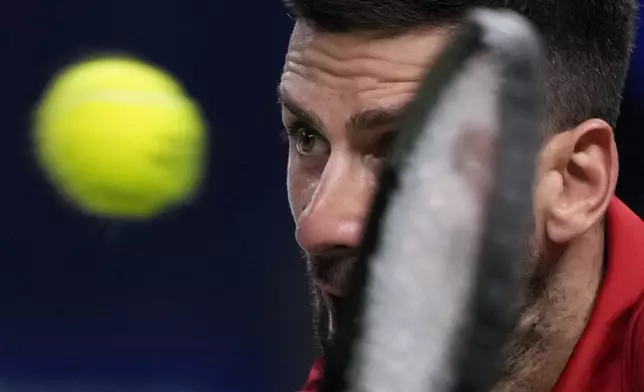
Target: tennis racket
<point>432,299</point>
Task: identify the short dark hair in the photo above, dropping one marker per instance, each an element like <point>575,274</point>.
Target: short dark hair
<point>588,42</point>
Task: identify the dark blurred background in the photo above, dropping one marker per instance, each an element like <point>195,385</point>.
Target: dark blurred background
<point>211,298</point>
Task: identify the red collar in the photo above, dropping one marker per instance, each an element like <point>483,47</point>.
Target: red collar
<point>599,354</point>
<point>602,351</point>
<point>315,376</point>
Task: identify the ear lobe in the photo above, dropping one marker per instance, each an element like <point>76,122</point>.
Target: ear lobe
<point>588,168</point>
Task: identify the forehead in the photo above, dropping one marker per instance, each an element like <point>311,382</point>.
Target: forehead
<point>343,72</point>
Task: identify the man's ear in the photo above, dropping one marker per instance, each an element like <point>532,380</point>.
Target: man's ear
<point>577,177</point>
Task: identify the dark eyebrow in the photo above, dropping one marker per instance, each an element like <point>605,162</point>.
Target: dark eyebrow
<point>301,114</point>
<point>375,118</point>
<point>369,119</point>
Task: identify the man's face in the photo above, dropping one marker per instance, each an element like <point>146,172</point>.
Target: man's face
<point>341,95</point>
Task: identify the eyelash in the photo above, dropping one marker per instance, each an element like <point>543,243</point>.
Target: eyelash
<point>286,134</point>
<point>293,129</point>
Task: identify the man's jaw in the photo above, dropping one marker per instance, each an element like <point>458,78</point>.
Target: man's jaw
<point>330,276</point>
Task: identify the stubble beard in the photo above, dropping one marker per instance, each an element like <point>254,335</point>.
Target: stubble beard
<point>321,317</point>
<point>532,350</point>
<point>334,270</point>
<point>535,353</point>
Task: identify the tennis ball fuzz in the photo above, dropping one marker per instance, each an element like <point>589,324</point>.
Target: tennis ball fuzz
<point>120,138</point>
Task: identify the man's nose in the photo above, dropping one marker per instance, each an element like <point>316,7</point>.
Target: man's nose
<point>336,214</point>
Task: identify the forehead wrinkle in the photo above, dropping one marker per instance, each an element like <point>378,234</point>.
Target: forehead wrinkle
<point>372,68</point>
<point>361,56</point>
<point>360,72</point>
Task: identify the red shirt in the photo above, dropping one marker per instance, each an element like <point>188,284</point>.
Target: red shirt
<point>609,356</point>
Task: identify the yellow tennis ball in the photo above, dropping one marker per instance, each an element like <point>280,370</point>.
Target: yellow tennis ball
<point>120,138</point>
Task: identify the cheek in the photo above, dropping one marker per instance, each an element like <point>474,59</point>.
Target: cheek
<point>300,184</point>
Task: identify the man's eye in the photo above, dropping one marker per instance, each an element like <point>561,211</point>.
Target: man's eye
<point>309,142</point>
